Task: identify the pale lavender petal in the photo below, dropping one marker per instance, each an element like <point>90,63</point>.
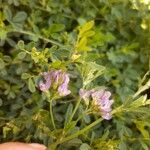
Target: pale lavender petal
<point>101,99</point>
<point>45,85</point>
<point>63,90</point>
<point>106,95</point>
<point>97,94</point>
<point>42,87</point>
<point>106,115</point>
<point>106,105</point>
<point>57,79</point>
<point>56,76</point>
<point>84,94</point>
<point>66,79</point>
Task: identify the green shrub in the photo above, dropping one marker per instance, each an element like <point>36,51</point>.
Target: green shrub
<point>101,44</point>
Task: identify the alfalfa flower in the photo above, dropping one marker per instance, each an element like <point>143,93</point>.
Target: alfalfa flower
<point>85,95</point>
<point>56,80</point>
<point>99,100</point>
<point>63,88</point>
<point>45,85</point>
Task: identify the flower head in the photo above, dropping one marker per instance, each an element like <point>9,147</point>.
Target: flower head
<point>56,79</point>
<point>100,100</point>
<point>63,88</point>
<point>85,95</point>
<point>45,85</point>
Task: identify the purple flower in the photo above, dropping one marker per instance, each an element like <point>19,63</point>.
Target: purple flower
<point>106,115</point>
<point>100,99</point>
<point>84,94</point>
<point>56,76</point>
<point>97,96</point>
<point>63,88</point>
<point>106,95</point>
<point>57,79</point>
<point>45,85</point>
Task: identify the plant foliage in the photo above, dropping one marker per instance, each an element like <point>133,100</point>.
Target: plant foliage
<point>101,44</point>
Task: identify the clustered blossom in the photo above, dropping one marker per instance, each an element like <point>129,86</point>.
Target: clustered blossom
<point>100,99</point>
<point>59,80</point>
<point>56,79</point>
<point>85,95</point>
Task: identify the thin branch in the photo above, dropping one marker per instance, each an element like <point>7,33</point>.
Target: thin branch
<point>38,36</point>
<point>51,114</point>
<point>48,11</point>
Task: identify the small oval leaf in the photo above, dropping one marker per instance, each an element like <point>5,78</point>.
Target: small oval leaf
<point>21,55</point>
<point>20,16</point>
<point>31,85</point>
<point>25,76</point>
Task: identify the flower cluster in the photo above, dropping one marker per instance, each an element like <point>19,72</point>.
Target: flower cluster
<point>100,99</point>
<point>56,79</point>
<point>59,80</point>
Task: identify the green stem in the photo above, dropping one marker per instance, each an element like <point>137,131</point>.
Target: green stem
<point>87,112</point>
<point>74,111</point>
<point>88,127</point>
<point>142,89</point>
<point>48,11</point>
<point>51,114</point>
<point>2,118</point>
<point>60,141</point>
<point>38,36</point>
<point>53,146</point>
<point>94,6</point>
<point>81,131</point>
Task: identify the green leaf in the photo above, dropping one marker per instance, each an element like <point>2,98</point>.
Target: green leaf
<point>19,17</point>
<point>105,135</point>
<point>141,125</point>
<point>88,34</point>
<point>31,85</point>
<point>87,26</point>
<point>84,146</point>
<point>2,64</point>
<point>137,103</point>
<point>56,64</point>
<point>90,71</point>
<point>6,130</point>
<point>82,44</point>
<point>25,76</point>
<point>122,146</point>
<point>74,142</point>
<point>144,145</point>
<point>87,119</point>
<point>71,126</point>
<point>21,44</point>
<point>21,55</point>
<point>8,14</point>
<point>92,57</point>
<point>11,42</point>
<point>3,34</point>
<point>109,37</point>
<point>1,102</point>
<point>81,21</point>
<point>56,28</point>
<point>116,13</point>
<point>17,25</point>
<point>68,113</point>
<point>147,102</point>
